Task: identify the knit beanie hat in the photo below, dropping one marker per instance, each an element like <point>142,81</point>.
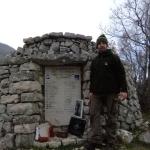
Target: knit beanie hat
<point>101,38</point>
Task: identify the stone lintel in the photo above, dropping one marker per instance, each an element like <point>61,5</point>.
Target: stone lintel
<point>57,62</point>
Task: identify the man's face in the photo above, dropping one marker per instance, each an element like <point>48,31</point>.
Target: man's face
<point>102,46</point>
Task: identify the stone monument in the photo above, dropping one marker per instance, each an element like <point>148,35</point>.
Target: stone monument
<point>40,83</point>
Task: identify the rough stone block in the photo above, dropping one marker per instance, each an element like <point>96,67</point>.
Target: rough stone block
<point>86,102</point>
<point>7,127</point>
<point>22,109</point>
<point>80,141</point>
<point>25,86</point>
<point>4,91</point>
<point>3,71</point>
<point>9,99</point>
<point>75,49</point>
<point>86,110</point>
<point>86,76</point>
<point>7,142</point>
<point>68,43</point>
<point>5,118</point>
<point>26,119</point>
<point>2,108</point>
<point>31,97</point>
<point>24,141</point>
<point>23,76</point>
<point>47,42</point>
<point>83,45</point>
<point>145,137</point>
<point>86,85</point>
<point>68,141</point>
<point>55,47</point>
<point>5,83</point>
<point>125,136</point>
<point>25,128</point>
<point>86,93</point>
<point>50,144</point>
<point>29,67</point>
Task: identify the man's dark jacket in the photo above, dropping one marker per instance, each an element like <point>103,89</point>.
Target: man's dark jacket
<point>107,74</point>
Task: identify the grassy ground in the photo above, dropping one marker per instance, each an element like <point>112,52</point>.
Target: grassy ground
<point>138,146</point>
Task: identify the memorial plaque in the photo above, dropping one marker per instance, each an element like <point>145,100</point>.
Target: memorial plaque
<point>62,89</point>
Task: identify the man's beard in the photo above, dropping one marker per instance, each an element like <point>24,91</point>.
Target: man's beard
<point>101,50</point>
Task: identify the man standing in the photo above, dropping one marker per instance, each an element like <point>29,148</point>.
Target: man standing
<point>107,86</point>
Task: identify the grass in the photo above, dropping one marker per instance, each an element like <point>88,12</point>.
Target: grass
<point>137,146</point>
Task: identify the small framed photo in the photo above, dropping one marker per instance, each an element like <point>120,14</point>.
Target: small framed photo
<point>78,108</point>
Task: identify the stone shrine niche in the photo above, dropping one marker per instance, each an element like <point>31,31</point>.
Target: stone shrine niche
<point>62,89</point>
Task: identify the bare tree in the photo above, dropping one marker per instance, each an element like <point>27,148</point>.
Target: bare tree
<point>131,25</point>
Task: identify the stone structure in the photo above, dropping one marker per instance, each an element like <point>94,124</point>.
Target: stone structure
<point>22,94</point>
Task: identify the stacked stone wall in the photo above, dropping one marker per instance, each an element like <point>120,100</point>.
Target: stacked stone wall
<point>21,103</point>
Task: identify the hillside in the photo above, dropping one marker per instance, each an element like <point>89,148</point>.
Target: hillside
<point>5,49</point>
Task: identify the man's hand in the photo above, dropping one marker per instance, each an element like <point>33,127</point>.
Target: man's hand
<point>122,96</point>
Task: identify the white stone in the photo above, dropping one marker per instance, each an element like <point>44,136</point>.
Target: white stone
<point>68,141</point>
<point>51,144</point>
<point>145,137</point>
<point>125,136</point>
<point>80,141</point>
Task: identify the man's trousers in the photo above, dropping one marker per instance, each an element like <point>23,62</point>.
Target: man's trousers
<point>103,119</point>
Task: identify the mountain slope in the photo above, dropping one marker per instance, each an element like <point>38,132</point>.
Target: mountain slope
<point>5,49</point>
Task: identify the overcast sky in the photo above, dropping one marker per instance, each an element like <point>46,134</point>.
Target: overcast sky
<point>29,18</point>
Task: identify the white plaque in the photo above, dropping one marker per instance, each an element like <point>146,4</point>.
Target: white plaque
<point>62,89</point>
